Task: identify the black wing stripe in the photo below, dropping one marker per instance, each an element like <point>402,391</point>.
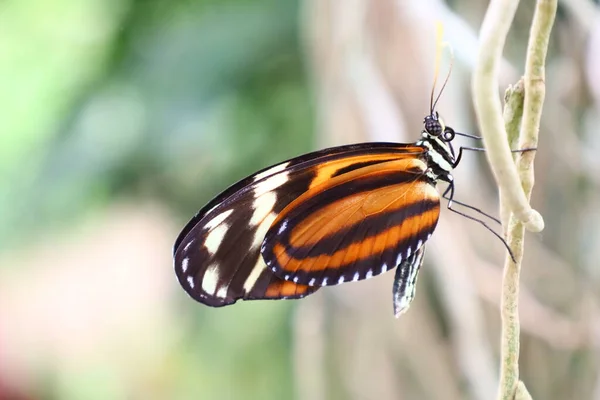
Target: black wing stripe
<point>377,224</point>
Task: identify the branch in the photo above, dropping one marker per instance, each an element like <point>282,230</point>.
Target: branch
<point>534,85</point>
<point>494,29</point>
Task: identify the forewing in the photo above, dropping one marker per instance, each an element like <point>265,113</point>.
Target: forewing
<point>217,255</point>
<point>405,281</point>
<point>354,226</point>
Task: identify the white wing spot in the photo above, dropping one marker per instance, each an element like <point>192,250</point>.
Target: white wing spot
<point>311,282</point>
<point>184,264</point>
<point>356,277</point>
<point>261,231</point>
<point>369,274</point>
<point>324,283</point>
<point>287,277</point>
<point>341,280</point>
<point>408,252</point>
<point>210,279</point>
<point>282,227</point>
<point>270,183</point>
<point>262,205</point>
<point>215,237</point>
<point>399,259</point>
<point>384,268</point>
<point>428,236</point>
<point>295,279</point>
<point>216,221</point>
<point>419,244</point>
<point>259,267</point>
<point>187,246</point>
<point>271,171</point>
<point>222,292</point>
<point>190,280</point>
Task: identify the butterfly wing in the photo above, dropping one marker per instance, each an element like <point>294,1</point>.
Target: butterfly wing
<point>405,281</point>
<point>355,225</point>
<point>217,255</point>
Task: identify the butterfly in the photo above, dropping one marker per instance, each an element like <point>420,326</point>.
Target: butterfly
<point>337,215</point>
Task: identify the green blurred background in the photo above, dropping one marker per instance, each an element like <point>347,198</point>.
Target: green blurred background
<point>119,119</point>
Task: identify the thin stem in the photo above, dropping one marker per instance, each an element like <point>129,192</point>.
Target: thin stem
<point>535,88</point>
<point>510,386</point>
<point>494,29</point>
<point>513,113</point>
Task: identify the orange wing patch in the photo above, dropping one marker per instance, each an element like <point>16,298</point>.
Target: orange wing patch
<point>328,170</point>
<point>280,289</point>
<point>355,225</point>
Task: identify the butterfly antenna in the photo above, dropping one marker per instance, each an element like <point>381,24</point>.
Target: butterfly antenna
<point>445,44</point>
<point>438,56</point>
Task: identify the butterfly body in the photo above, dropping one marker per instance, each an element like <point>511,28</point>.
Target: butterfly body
<point>332,216</point>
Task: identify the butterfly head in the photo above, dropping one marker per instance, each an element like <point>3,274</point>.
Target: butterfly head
<point>436,138</point>
<point>435,128</point>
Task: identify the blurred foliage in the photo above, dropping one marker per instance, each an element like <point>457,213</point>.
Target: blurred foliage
<point>141,98</point>
<point>173,101</point>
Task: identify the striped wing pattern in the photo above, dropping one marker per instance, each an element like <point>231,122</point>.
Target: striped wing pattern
<point>354,226</point>
<point>217,256</point>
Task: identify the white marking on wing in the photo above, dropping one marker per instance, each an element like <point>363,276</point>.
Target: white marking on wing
<point>258,268</point>
<point>215,237</point>
<point>187,246</point>
<point>282,227</point>
<point>211,279</point>
<point>190,280</point>
<point>369,274</point>
<point>184,264</point>
<point>399,259</point>
<point>262,205</point>
<point>261,231</point>
<point>311,282</point>
<point>341,280</point>
<point>222,292</point>
<point>270,183</point>
<point>217,220</point>
<point>324,283</point>
<point>271,171</point>
<point>356,277</point>
<point>384,268</point>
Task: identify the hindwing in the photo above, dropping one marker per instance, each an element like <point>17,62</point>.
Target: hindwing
<point>355,225</point>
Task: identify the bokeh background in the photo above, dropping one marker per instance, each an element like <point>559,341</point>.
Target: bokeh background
<point>119,119</point>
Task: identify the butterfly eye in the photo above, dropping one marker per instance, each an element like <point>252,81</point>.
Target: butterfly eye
<point>433,126</point>
<point>448,134</point>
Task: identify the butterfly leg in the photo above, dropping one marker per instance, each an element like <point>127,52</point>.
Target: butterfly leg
<point>451,201</point>
<point>486,226</point>
<point>461,148</point>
